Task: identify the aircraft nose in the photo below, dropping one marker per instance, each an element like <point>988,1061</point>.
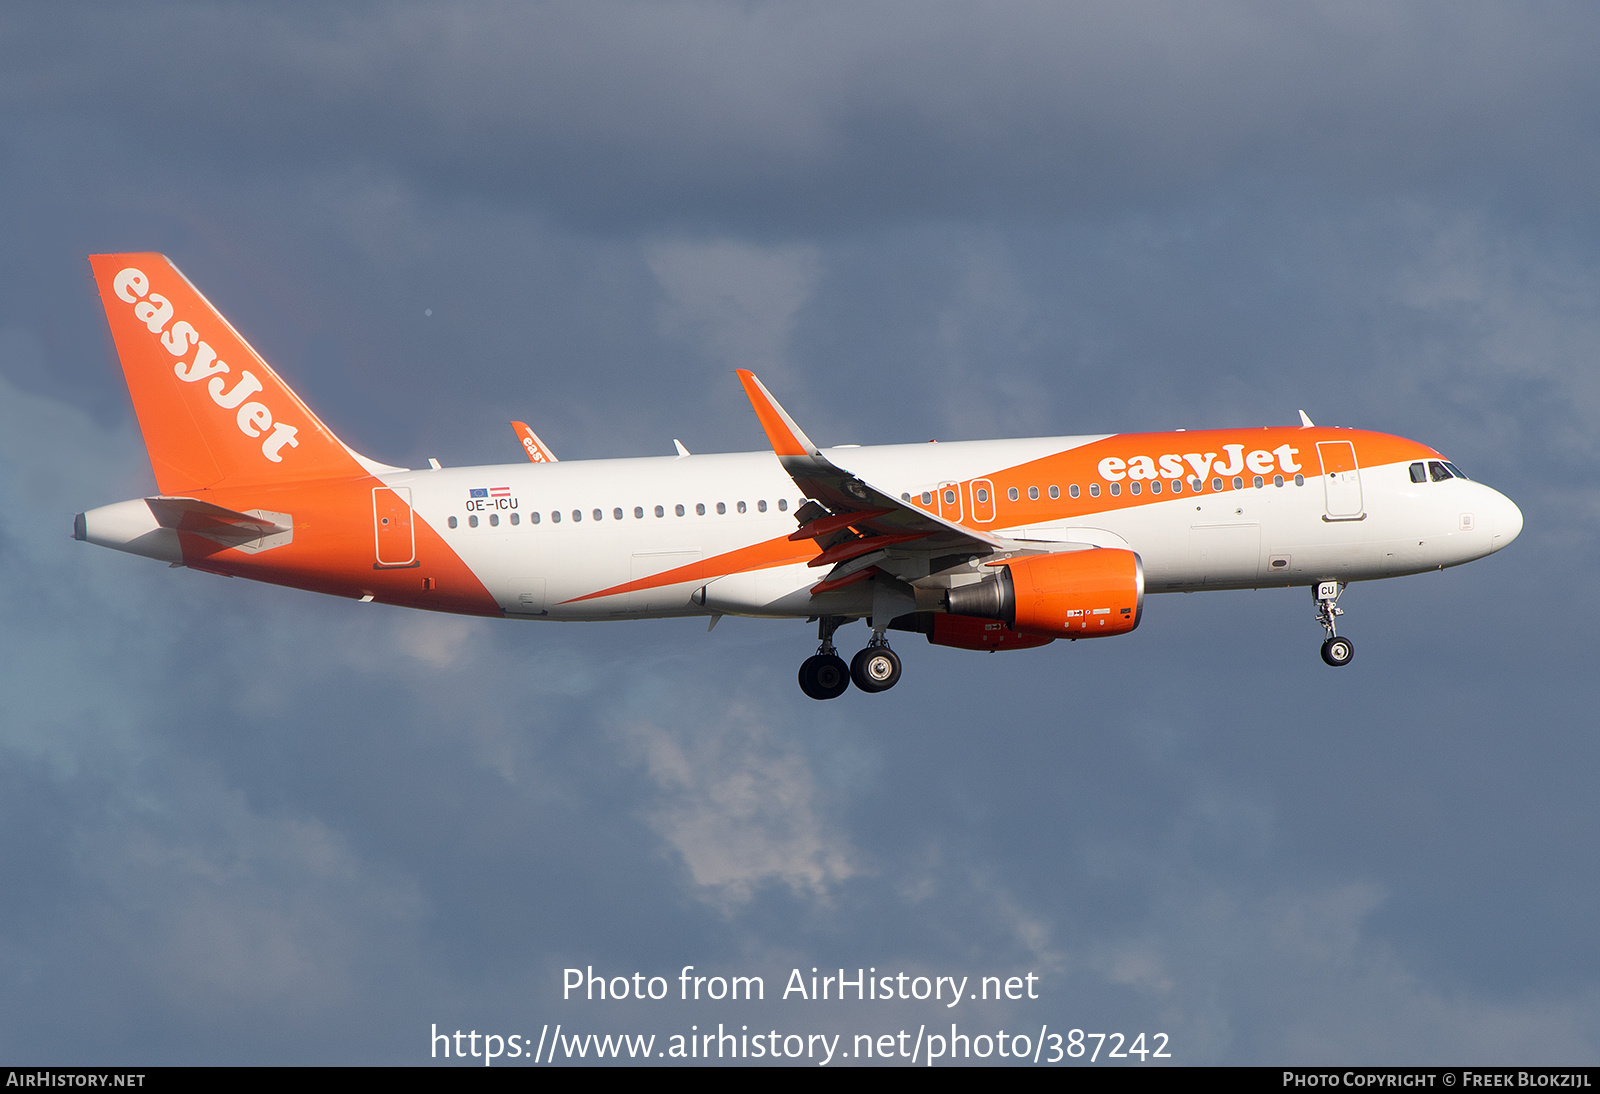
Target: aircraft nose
<point>1507,520</point>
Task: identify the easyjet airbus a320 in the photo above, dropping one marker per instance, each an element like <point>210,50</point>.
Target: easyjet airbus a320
<point>983,545</point>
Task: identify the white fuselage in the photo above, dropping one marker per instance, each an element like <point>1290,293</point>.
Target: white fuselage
<point>625,519</point>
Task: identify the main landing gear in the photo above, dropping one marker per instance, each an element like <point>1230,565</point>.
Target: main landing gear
<point>825,675</point>
<point>1336,651</point>
<point>876,668</point>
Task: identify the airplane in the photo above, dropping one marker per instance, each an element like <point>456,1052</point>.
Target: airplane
<point>981,545</point>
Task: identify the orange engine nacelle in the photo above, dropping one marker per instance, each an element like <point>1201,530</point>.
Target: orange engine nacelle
<point>1074,594</point>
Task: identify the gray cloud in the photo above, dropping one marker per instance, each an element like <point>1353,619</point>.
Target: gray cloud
<point>775,115</point>
<point>740,806</point>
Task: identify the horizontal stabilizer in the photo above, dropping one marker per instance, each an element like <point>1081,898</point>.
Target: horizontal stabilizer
<point>181,529</point>
<point>213,521</point>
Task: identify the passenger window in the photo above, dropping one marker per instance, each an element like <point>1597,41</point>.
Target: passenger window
<point>451,522</point>
<point>1116,489</point>
<point>516,519</point>
<point>660,512</point>
<point>1133,488</point>
<point>1419,472</point>
<point>1012,493</point>
<point>616,514</point>
<point>494,520</point>
<point>1055,492</point>
<point>927,498</point>
<point>1299,480</point>
<point>783,505</point>
<point>555,516</point>
<point>983,495</point>
<point>722,509</point>
<point>599,514</point>
<point>1436,471</point>
<point>1259,483</point>
<point>1277,480</point>
<point>741,507</point>
<point>533,517</point>
<point>700,509</point>
<point>1033,493</point>
<point>1216,484</point>
<point>1155,487</point>
<point>949,497</point>
<point>1177,486</point>
<point>1094,490</point>
<point>1238,483</point>
<point>678,509</point>
<point>1072,490</point>
<point>761,506</point>
<point>472,521</point>
<point>638,512</point>
<point>577,514</point>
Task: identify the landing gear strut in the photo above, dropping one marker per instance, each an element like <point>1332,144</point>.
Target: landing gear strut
<point>1336,651</point>
<point>825,675</point>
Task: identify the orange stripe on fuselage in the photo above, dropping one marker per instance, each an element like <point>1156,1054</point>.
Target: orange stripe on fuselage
<point>758,556</point>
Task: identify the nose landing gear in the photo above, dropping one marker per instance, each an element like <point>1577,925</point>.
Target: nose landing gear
<point>1336,651</point>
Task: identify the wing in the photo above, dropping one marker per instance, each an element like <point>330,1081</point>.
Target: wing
<point>854,522</point>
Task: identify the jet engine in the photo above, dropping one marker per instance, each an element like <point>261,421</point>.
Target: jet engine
<point>1073,594</point>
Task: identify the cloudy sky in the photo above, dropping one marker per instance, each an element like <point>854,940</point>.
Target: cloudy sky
<point>246,824</point>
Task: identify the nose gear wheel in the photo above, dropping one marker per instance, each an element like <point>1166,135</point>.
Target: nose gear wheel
<point>1336,651</point>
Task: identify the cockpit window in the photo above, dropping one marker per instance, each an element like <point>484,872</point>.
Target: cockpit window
<point>1419,472</point>
<point>1438,471</point>
<point>1454,470</point>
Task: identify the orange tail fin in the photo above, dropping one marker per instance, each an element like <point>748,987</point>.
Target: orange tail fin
<point>213,413</point>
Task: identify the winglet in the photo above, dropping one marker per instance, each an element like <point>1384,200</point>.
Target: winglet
<point>1305,423</point>
<point>537,450</point>
<point>786,438</point>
